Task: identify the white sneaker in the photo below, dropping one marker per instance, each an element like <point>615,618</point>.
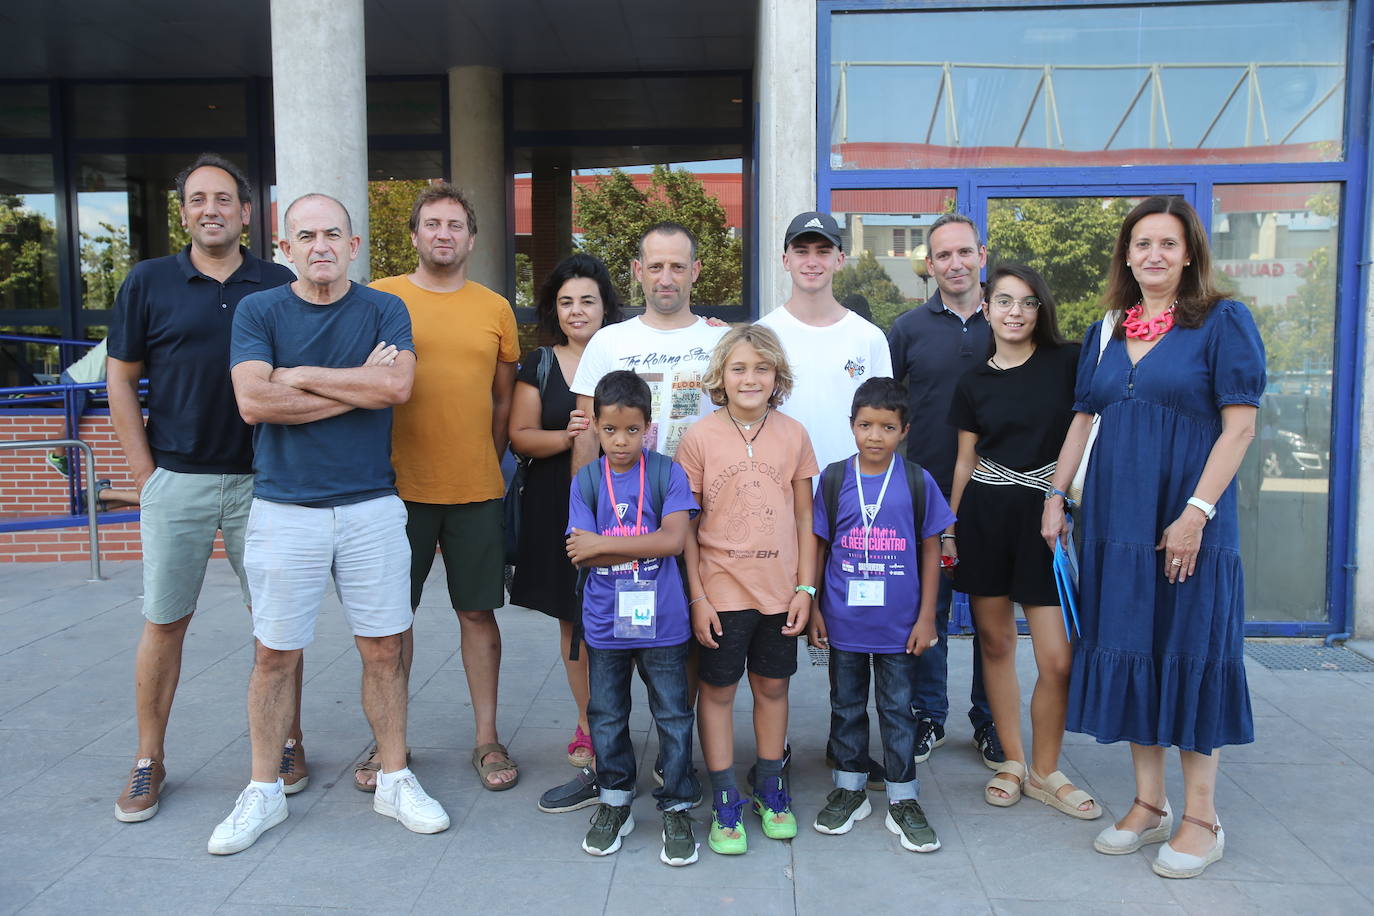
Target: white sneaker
<point>254,813</point>
<point>411,805</point>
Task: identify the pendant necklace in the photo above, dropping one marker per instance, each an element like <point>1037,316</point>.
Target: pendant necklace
<point>740,427</point>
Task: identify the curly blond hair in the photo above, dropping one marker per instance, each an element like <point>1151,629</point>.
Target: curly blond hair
<point>768,346</point>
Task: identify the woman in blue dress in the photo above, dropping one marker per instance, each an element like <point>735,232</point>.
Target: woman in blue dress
<point>1160,660</point>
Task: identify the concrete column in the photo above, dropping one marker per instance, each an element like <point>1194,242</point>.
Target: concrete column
<point>477,151</point>
<point>319,106</point>
<point>785,87</point>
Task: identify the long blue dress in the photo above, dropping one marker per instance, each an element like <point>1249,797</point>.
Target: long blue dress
<point>1161,664</point>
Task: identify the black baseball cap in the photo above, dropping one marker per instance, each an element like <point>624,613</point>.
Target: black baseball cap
<point>813,223</point>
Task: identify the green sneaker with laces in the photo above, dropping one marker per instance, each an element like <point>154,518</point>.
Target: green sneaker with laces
<point>609,824</point>
<point>906,819</point>
<point>774,807</point>
<point>727,835</point>
<point>843,809</point>
<point>679,842</point>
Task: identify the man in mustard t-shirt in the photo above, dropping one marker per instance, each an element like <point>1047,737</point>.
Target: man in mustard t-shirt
<point>446,447</point>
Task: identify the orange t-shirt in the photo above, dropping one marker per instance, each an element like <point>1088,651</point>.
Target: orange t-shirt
<point>748,532</point>
<point>441,443</point>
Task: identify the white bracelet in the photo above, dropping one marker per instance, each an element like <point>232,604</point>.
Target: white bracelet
<point>1208,509</point>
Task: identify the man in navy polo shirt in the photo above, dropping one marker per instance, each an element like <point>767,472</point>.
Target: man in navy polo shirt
<point>192,464</point>
<point>932,345</point>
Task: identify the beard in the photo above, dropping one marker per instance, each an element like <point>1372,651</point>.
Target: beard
<point>452,263</point>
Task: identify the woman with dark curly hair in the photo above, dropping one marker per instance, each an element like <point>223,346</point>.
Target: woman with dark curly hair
<point>1176,389</point>
<point>575,302</point>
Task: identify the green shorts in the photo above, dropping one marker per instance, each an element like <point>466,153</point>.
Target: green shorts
<point>179,515</point>
<point>471,536</point>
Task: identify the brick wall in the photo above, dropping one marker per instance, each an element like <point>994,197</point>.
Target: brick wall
<point>31,489</point>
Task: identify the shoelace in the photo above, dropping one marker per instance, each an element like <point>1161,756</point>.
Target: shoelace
<point>677,825</point>
<point>603,816</point>
<point>775,798</point>
<point>907,811</point>
<point>141,783</point>
<point>727,812</point>
<point>247,799</point>
<point>288,761</point>
<point>991,743</point>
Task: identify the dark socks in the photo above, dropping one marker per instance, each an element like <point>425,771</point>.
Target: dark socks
<point>722,781</point>
<point>767,772</point>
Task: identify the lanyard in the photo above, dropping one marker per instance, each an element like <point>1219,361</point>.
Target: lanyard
<point>639,513</point>
<point>863,509</point>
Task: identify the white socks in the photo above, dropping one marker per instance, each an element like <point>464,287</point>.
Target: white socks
<point>387,780</point>
<point>267,788</point>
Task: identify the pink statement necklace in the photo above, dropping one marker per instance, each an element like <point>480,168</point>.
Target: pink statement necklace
<point>1151,328</point>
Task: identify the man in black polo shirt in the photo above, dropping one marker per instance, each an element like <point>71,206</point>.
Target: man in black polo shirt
<point>932,345</point>
<point>193,462</point>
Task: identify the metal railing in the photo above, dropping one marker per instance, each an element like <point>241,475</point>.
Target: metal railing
<point>92,526</point>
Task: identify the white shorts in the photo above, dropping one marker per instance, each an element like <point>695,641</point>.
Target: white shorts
<point>290,552</point>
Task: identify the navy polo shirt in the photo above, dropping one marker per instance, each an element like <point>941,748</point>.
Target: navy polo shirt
<point>177,322</point>
<point>931,348</point>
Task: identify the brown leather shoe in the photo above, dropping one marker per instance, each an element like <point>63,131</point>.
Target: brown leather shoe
<point>295,775</point>
<point>139,800</point>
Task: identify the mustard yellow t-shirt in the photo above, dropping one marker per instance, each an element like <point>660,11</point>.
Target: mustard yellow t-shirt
<point>441,443</point>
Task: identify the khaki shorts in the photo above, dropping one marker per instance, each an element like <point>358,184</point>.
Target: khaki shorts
<point>178,518</point>
<point>292,551</point>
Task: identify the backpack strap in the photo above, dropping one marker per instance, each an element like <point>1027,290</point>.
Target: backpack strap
<point>659,468</point>
<point>588,483</point>
<point>916,482</point>
<point>832,478</point>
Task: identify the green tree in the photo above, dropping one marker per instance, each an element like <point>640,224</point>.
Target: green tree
<point>865,276</point>
<point>613,213</point>
<point>388,212</point>
<point>1068,240</point>
<point>105,262</point>
<point>28,256</point>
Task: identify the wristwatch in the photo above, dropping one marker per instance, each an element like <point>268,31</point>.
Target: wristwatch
<point>809,589</point>
<point>1208,509</point>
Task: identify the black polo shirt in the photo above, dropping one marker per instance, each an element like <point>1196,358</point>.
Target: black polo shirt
<point>177,322</point>
<point>932,348</point>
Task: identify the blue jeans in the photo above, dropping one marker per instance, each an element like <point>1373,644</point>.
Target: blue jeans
<point>932,672</point>
<point>663,669</point>
<point>894,677</point>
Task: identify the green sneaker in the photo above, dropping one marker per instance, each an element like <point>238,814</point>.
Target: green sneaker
<point>727,824</point>
<point>609,824</point>
<point>906,819</point>
<point>774,806</point>
<point>679,842</point>
<point>843,809</point>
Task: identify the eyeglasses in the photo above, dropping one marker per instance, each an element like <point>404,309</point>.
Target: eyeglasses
<point>1004,303</point>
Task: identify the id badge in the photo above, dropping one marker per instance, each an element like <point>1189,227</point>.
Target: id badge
<point>634,609</point>
<point>867,592</point>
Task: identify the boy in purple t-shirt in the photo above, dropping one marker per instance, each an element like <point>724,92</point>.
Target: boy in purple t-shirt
<point>634,614</point>
<point>879,583</point>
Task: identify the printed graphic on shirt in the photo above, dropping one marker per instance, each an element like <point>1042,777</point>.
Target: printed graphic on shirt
<point>856,367</point>
<point>888,550</point>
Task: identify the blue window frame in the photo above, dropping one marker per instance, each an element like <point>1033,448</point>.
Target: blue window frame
<point>975,186</point>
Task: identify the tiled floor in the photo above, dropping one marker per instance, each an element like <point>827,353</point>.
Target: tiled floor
<point>1295,804</point>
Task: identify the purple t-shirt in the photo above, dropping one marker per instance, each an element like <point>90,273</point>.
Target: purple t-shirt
<point>598,599</point>
<point>894,553</point>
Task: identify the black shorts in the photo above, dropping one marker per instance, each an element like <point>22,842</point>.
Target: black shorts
<point>1000,548</point>
<point>471,537</point>
<point>753,638</point>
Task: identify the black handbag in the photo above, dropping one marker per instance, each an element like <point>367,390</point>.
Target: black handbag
<point>515,490</point>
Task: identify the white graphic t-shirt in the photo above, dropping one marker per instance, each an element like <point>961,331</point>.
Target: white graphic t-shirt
<point>672,362</point>
<point>828,364</point>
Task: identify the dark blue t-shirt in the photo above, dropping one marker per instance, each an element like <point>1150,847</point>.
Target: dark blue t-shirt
<point>177,322</point>
<point>338,460</point>
<point>599,597</point>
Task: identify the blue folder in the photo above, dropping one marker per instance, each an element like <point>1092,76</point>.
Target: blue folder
<point>1066,580</point>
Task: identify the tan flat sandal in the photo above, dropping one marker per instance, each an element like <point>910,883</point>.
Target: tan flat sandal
<point>1048,792</point>
<point>1009,778</point>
